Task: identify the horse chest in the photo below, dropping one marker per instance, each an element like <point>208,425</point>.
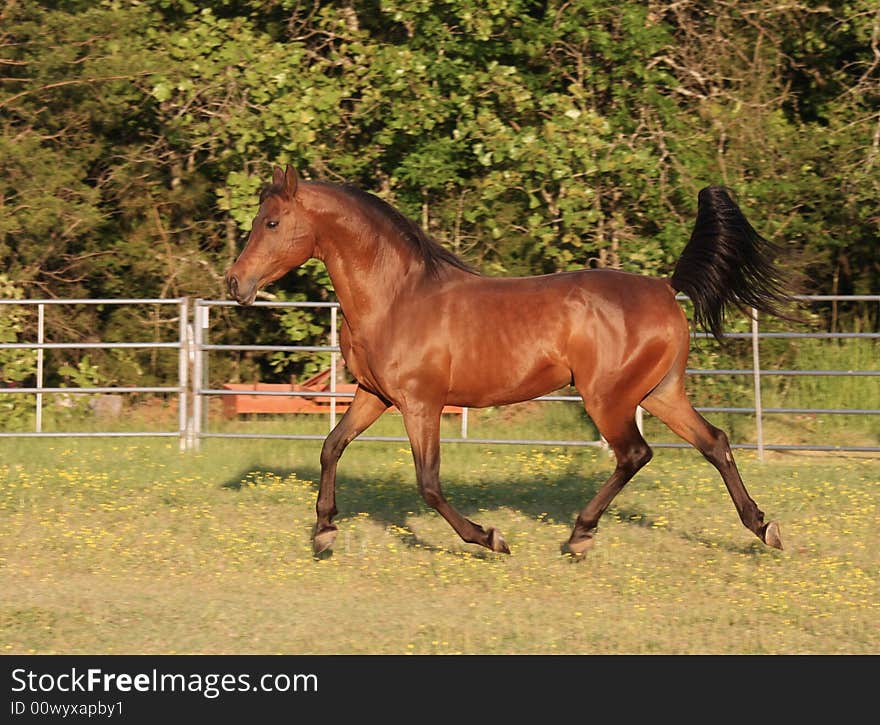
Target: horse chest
<point>359,360</point>
<point>353,351</point>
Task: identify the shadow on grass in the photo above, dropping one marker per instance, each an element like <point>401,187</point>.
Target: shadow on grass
<point>390,500</point>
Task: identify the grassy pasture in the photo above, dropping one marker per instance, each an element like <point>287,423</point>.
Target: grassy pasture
<point>126,546</point>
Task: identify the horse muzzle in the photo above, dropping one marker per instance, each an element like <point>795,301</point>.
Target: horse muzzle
<point>244,294</point>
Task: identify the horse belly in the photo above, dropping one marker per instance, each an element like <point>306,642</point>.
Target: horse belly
<point>499,374</point>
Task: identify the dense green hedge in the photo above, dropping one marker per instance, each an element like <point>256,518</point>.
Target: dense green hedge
<point>527,136</point>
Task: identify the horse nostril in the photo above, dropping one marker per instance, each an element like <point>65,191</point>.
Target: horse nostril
<point>232,285</point>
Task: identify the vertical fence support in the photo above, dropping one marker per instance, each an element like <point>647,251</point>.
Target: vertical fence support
<point>182,371</point>
<point>756,371</point>
<point>196,424</point>
<point>191,366</point>
<point>464,422</point>
<point>334,342</point>
<point>41,338</point>
<point>204,361</point>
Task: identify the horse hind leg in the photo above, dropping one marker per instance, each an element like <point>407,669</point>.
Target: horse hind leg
<point>669,403</point>
<point>632,453</point>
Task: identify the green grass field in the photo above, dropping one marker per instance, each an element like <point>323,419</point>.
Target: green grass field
<point>132,547</point>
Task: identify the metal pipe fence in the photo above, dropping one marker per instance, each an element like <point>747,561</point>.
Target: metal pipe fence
<point>756,371</point>
<point>183,345</point>
<point>195,350</point>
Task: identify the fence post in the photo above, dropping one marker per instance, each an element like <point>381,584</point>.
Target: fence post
<point>756,369</point>
<point>41,327</point>
<point>197,376</point>
<point>204,362</point>
<point>182,369</point>
<point>191,366</point>
<point>464,422</point>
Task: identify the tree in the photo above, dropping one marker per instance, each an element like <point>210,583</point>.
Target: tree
<point>527,136</point>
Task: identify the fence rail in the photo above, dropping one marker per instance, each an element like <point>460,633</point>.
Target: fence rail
<point>192,387</point>
<point>181,388</point>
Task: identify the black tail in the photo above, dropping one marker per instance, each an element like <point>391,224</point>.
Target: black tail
<point>727,263</point>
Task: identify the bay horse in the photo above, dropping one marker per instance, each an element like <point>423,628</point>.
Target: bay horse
<point>422,329</point>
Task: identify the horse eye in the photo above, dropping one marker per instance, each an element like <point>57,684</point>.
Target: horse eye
<point>271,224</point>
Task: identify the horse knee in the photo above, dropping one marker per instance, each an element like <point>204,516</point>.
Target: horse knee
<point>635,457</point>
<point>431,496</point>
<point>331,452</point>
<point>642,455</point>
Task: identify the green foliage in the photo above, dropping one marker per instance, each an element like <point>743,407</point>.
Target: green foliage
<point>63,410</point>
<point>83,375</point>
<point>303,326</point>
<point>527,137</point>
<point>16,366</point>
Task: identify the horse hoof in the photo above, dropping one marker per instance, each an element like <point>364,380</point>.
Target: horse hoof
<point>497,543</point>
<point>323,540</point>
<point>772,535</point>
<point>579,548</point>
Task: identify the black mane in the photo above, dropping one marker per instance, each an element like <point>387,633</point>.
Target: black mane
<point>428,248</point>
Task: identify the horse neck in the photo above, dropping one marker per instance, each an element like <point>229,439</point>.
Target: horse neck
<point>368,261</point>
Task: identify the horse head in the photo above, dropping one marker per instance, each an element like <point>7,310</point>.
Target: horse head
<point>281,238</point>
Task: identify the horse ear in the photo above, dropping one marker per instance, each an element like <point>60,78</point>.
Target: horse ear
<point>291,180</point>
<point>277,177</point>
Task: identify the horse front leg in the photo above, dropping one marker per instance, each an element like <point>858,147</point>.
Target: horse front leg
<point>423,429</point>
<point>364,411</point>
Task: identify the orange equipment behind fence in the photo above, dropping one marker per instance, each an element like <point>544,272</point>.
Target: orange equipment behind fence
<point>243,403</point>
